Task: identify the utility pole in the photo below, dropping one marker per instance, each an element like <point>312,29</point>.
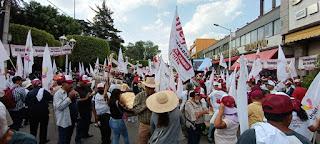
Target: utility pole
<point>6,21</point>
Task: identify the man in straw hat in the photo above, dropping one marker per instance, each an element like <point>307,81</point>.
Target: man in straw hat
<point>140,108</point>
<point>166,119</point>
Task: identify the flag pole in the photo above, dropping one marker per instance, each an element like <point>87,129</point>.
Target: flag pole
<point>13,65</point>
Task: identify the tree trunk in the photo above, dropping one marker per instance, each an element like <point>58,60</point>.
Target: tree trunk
<point>7,5</point>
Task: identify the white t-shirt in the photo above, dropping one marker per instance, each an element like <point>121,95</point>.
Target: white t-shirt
<point>101,104</point>
<point>184,99</point>
<point>300,126</point>
<point>214,96</point>
<point>227,135</point>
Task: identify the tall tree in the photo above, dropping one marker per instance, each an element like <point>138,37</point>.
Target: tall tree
<point>46,18</point>
<point>103,27</point>
<point>141,50</point>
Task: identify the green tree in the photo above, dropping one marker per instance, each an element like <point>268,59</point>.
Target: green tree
<point>103,27</point>
<point>46,18</point>
<point>141,50</point>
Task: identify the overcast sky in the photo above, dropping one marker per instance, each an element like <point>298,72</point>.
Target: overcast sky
<point>151,19</point>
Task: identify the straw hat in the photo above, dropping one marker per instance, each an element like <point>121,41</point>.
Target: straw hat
<point>162,102</point>
<point>26,84</point>
<point>150,82</point>
<point>124,87</point>
<point>127,99</point>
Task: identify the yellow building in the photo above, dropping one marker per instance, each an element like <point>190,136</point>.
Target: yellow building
<point>199,45</point>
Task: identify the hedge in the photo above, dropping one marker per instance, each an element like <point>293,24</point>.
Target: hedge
<point>87,49</point>
<point>39,37</point>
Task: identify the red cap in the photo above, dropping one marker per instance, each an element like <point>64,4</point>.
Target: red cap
<point>68,79</point>
<point>296,104</point>
<point>256,94</point>
<point>197,90</point>
<point>277,104</point>
<point>85,79</point>
<point>228,101</point>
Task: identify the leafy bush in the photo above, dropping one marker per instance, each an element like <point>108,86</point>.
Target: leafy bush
<point>39,37</point>
<point>307,80</point>
<point>87,49</point>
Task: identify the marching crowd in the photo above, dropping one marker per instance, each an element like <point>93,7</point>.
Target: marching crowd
<point>204,107</point>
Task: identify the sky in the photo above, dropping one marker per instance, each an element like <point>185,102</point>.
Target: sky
<point>152,19</point>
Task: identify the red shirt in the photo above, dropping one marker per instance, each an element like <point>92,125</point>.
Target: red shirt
<point>299,93</point>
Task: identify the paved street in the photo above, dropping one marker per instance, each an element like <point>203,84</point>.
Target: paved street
<point>132,129</point>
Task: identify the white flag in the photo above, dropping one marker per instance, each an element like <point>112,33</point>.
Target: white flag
<point>228,80</point>
<point>179,87</point>
<point>162,77</point>
<point>91,70</point>
<point>70,69</point>
<point>311,101</point>
<point>292,70</point>
<point>54,67</point>
<point>3,53</point>
<point>232,81</point>
<point>172,83</point>
<point>47,73</point>
<point>28,56</point>
<point>256,67</point>
<point>104,62</point>
<point>122,67</point>
<point>83,69</point>
<point>179,56</point>
<point>2,76</point>
<point>222,62</point>
<point>242,97</point>
<point>66,64</point>
<point>19,66</point>
<point>80,69</point>
<point>282,73</point>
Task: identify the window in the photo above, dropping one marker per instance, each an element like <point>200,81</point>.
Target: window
<point>268,30</point>
<point>261,33</point>
<point>247,38</point>
<point>277,27</point>
<point>243,40</point>
<point>254,36</point>
<point>238,42</point>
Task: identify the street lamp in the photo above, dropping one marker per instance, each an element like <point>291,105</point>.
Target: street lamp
<point>230,38</point>
<point>64,41</point>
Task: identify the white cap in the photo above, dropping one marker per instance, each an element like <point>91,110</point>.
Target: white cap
<point>216,83</point>
<point>100,85</point>
<point>270,82</point>
<point>26,83</point>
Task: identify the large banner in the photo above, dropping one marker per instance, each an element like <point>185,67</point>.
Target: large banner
<point>39,50</point>
<point>179,56</point>
<point>270,64</point>
<point>308,62</point>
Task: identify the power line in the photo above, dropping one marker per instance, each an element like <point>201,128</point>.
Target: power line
<point>58,8</point>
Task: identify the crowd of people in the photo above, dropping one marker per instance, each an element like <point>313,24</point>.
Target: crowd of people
<point>204,107</point>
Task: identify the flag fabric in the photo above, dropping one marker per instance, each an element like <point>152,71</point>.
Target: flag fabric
<point>232,88</point>
<point>179,56</point>
<point>172,83</point>
<point>311,101</point>
<point>105,62</point>
<point>210,82</point>
<point>256,67</point>
<point>206,64</point>
<point>83,69</point>
<point>47,72</point>
<point>80,69</point>
<point>222,62</point>
<point>282,73</point>
<point>96,66</point>
<point>66,64</point>
<point>242,97</point>
<point>2,76</point>
<point>122,67</point>
<point>228,80</point>
<point>70,69</point>
<point>91,70</point>
<point>292,70</point>
<point>54,67</point>
<point>179,87</point>
<point>19,66</point>
<point>28,56</point>
<point>162,77</point>
<point>3,53</point>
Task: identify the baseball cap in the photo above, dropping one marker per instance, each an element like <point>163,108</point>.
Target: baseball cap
<point>100,85</point>
<point>277,104</point>
<point>256,94</point>
<point>68,79</point>
<point>270,82</point>
<point>85,79</point>
<point>228,101</point>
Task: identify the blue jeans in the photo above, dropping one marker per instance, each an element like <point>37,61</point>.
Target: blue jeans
<point>118,128</point>
<point>211,132</point>
<point>65,134</point>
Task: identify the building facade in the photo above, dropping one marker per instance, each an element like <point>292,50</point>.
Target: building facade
<point>301,30</point>
<point>200,45</point>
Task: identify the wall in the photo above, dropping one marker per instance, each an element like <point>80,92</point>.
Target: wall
<point>302,10</point>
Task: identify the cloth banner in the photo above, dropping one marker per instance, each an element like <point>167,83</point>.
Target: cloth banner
<point>39,50</point>
<point>308,62</point>
<point>179,56</point>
